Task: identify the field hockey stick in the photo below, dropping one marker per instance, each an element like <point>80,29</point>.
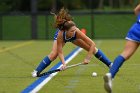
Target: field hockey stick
<point>57,70</point>
<point>74,65</point>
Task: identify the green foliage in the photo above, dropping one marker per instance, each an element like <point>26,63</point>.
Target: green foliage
<point>14,5</point>
<point>4,6</point>
<point>47,5</point>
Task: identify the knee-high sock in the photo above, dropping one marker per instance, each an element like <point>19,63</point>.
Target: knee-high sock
<point>116,65</point>
<point>43,64</point>
<point>101,56</point>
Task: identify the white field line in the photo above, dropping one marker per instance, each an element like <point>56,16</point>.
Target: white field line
<point>16,46</point>
<point>36,89</point>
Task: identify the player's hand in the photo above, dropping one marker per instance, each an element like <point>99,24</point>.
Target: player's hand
<point>63,67</point>
<point>86,61</point>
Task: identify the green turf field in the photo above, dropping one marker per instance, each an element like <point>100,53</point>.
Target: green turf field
<point>19,58</point>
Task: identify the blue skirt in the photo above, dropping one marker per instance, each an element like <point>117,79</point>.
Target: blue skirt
<point>134,33</point>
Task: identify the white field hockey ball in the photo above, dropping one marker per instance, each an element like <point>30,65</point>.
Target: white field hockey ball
<point>94,74</point>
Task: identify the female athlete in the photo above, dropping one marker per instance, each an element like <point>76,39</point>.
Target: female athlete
<point>67,31</point>
<point>132,43</point>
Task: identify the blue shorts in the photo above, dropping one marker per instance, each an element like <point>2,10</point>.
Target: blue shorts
<point>56,34</point>
<point>134,33</point>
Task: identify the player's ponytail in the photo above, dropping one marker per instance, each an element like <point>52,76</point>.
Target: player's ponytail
<point>62,20</point>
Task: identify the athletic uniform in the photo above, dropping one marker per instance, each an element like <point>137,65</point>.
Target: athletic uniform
<point>132,35</point>
<point>100,55</point>
<point>64,36</point>
<point>134,32</point>
<point>46,61</point>
<point>56,34</point>
<point>69,39</point>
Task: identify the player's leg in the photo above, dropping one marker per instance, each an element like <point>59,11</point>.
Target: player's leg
<point>47,60</point>
<point>98,53</point>
<point>129,50</point>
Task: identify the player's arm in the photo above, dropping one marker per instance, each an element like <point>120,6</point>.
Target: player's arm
<point>60,44</point>
<point>137,9</point>
<point>86,39</point>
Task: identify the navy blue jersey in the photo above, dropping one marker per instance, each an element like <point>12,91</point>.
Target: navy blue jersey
<point>69,39</point>
<point>64,36</point>
<point>134,32</point>
<point>56,34</point>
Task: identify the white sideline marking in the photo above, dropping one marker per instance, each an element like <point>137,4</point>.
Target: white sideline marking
<point>36,89</point>
<point>16,46</point>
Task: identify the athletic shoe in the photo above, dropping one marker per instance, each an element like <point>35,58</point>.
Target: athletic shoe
<point>108,82</point>
<point>34,73</point>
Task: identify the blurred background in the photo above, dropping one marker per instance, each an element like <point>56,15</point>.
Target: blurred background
<point>31,19</point>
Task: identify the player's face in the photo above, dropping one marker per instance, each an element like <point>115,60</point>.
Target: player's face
<point>71,31</point>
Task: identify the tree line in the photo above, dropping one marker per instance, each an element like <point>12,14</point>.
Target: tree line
<point>47,5</point>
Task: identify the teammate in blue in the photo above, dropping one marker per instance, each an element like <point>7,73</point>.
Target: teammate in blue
<point>67,31</point>
<point>132,43</point>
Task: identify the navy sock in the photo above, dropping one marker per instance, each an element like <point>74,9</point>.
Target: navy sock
<point>116,65</point>
<point>43,64</point>
<point>101,56</point>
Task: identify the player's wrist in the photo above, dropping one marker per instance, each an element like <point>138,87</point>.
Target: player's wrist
<point>64,63</point>
<point>87,59</point>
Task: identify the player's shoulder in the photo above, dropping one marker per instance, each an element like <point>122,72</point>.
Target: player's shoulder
<point>60,34</point>
<point>79,32</point>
